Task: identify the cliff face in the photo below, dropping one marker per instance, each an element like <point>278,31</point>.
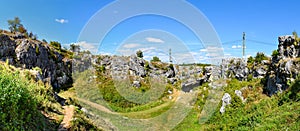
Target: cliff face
<point>284,67</point>
<point>26,53</point>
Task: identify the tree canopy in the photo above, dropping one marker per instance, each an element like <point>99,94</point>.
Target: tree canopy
<point>15,25</point>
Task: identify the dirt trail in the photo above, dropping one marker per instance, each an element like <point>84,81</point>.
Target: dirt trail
<point>68,115</point>
<point>97,106</point>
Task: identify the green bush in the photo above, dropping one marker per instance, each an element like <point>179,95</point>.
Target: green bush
<point>260,56</point>
<point>139,54</point>
<point>275,53</point>
<point>37,51</point>
<point>18,108</point>
<point>55,45</point>
<point>155,59</point>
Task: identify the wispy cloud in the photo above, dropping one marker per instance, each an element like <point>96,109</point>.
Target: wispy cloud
<point>92,47</point>
<point>154,40</point>
<point>236,47</point>
<point>203,50</point>
<point>62,21</point>
<point>131,45</point>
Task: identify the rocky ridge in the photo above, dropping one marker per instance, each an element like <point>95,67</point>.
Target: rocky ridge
<point>26,53</point>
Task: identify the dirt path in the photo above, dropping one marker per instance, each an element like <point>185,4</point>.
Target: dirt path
<point>97,106</point>
<point>68,115</point>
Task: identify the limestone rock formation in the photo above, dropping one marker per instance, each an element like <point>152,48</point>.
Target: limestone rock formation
<point>284,67</point>
<point>226,99</point>
<point>28,54</point>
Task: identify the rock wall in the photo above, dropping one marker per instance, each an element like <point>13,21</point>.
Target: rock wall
<point>284,67</point>
<point>28,54</point>
<point>135,68</point>
<point>238,68</point>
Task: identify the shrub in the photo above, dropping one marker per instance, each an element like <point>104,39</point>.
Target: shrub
<point>155,59</point>
<point>275,53</point>
<point>37,51</point>
<point>18,108</point>
<point>139,54</point>
<point>260,56</point>
<point>55,45</point>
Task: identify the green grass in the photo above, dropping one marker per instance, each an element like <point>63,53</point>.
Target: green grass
<point>150,112</point>
<point>260,112</point>
<point>21,102</point>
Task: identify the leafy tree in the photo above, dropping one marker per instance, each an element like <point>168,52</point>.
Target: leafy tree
<point>55,45</point>
<point>45,41</point>
<point>30,35</point>
<point>34,37</point>
<point>275,53</point>
<point>74,48</point>
<point>22,29</point>
<point>155,59</point>
<point>297,39</point>
<point>139,54</point>
<point>14,24</point>
<point>260,56</point>
<point>250,60</point>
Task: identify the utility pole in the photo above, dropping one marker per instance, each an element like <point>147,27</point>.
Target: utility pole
<point>170,56</point>
<point>244,44</point>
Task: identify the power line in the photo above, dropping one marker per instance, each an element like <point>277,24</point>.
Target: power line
<point>261,42</point>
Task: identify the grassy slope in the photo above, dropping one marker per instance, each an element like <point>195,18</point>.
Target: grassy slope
<point>24,103</point>
<point>260,112</point>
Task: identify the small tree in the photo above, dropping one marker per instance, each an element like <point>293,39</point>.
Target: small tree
<point>14,24</point>
<point>155,59</point>
<point>250,60</point>
<point>297,39</point>
<point>74,48</point>
<point>275,53</point>
<point>22,29</point>
<point>139,54</point>
<point>35,37</point>
<point>260,56</point>
<point>45,41</point>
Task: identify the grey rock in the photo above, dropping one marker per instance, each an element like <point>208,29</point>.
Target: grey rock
<point>226,99</point>
<point>240,95</point>
<point>136,84</point>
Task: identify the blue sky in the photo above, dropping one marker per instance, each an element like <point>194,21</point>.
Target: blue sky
<point>63,21</point>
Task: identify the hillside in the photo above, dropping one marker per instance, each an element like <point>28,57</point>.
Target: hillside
<point>30,73</point>
<point>76,90</point>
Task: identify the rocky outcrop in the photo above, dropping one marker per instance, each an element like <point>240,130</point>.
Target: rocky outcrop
<point>193,76</point>
<point>29,54</point>
<point>284,67</point>
<point>137,69</point>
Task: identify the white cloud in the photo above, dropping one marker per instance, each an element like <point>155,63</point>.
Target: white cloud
<point>92,47</point>
<point>154,40</point>
<point>203,50</point>
<point>212,54</point>
<point>214,48</point>
<point>237,47</point>
<point>131,45</point>
<point>62,21</point>
<point>147,49</point>
<point>105,53</point>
